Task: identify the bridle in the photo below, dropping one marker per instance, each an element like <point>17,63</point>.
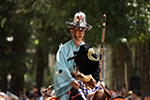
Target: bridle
<point>116,97</point>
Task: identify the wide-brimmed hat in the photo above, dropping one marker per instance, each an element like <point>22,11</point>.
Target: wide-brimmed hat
<point>79,22</point>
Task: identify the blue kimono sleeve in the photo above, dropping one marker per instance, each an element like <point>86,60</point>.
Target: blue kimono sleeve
<point>62,77</point>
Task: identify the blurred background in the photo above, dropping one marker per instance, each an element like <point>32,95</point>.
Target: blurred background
<point>31,31</point>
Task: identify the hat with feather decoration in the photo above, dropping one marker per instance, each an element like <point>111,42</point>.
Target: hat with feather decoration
<point>79,22</point>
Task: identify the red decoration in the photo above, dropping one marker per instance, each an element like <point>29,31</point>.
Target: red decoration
<point>80,18</point>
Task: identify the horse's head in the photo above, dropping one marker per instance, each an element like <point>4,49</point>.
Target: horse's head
<point>100,94</point>
<point>118,95</point>
<point>105,94</point>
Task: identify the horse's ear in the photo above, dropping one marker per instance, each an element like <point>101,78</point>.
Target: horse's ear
<point>123,90</point>
<point>107,93</point>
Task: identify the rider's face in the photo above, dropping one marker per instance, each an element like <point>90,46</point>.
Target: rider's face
<point>79,33</point>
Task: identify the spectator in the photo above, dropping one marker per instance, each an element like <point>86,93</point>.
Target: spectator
<point>2,96</point>
<point>129,97</point>
<point>22,95</point>
<point>39,96</point>
<point>146,96</point>
<point>41,89</point>
<point>46,96</point>
<point>135,95</point>
<point>31,96</point>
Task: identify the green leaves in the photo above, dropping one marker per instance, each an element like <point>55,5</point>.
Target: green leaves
<point>41,23</point>
<point>3,22</point>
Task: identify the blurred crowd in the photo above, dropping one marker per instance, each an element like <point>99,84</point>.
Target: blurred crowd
<point>136,95</point>
<point>33,94</point>
<point>38,94</point>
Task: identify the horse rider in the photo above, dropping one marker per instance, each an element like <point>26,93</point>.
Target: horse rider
<point>63,80</point>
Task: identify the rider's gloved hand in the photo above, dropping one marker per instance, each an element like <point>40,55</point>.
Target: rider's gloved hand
<point>75,84</point>
<point>103,83</point>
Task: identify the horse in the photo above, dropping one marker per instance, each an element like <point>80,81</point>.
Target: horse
<point>119,95</point>
<point>102,94</point>
<point>105,94</point>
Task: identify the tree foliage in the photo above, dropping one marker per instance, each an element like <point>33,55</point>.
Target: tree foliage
<point>40,25</point>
